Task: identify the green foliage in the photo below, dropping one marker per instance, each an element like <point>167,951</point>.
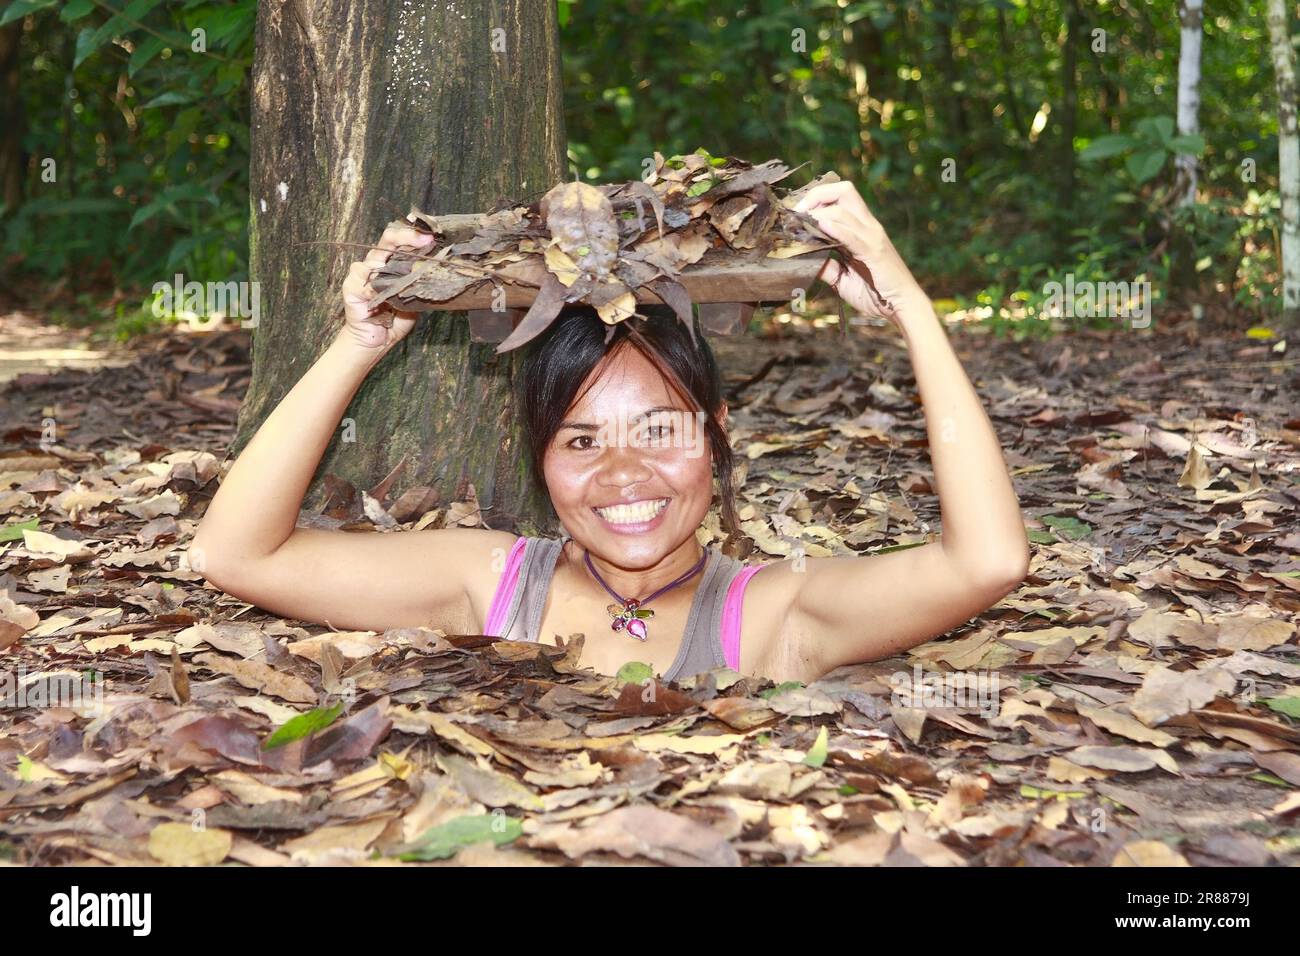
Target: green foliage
<point>129,323</point>
<point>1147,150</point>
<point>954,118</point>
<point>302,726</point>
<point>137,137</point>
<point>884,91</point>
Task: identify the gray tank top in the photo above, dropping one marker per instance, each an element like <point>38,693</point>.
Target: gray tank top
<point>701,647</point>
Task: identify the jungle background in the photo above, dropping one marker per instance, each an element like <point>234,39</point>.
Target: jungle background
<point>1062,137</point>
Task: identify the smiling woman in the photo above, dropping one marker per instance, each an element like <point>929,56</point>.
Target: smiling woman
<point>649,389</point>
<point>626,436</point>
<point>627,431</point>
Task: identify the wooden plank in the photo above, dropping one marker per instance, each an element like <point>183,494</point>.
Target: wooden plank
<point>715,278</point>
<point>485,325</point>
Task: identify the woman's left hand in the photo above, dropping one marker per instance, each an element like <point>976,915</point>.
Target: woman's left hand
<point>874,280</point>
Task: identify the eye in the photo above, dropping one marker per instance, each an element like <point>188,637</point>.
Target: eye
<point>576,443</point>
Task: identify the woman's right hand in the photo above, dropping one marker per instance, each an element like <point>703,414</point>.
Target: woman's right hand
<point>874,279</point>
<point>383,326</point>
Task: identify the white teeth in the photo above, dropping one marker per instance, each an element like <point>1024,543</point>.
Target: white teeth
<point>633,513</point>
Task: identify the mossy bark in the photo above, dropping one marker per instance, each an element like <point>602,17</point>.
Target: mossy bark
<point>361,111</point>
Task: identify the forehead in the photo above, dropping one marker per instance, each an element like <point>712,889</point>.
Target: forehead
<point>627,380</point>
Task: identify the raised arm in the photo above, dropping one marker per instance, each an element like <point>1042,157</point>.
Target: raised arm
<point>848,610</point>
<point>248,544</point>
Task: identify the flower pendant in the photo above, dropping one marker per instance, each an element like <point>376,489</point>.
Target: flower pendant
<point>631,617</point>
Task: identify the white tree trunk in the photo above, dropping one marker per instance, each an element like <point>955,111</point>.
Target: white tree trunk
<point>1189,93</point>
<point>1279,31</point>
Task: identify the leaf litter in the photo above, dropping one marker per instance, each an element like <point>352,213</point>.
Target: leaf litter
<point>1146,712</point>
<point>596,245</point>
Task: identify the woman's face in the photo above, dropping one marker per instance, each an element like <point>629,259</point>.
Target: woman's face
<point>629,471</point>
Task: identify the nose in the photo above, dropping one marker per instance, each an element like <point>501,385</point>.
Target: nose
<point>622,467</point>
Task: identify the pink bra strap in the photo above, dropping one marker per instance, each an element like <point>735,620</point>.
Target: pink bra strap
<point>496,617</point>
<point>731,609</point>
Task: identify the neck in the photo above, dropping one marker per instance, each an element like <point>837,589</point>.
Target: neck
<point>640,583</point>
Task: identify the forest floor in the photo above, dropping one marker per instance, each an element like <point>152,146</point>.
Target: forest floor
<point>1135,702</point>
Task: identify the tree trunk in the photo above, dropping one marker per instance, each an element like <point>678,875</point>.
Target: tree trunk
<point>1182,241</point>
<point>1189,94</point>
<point>954,96</point>
<point>12,169</point>
<point>1288,146</point>
<point>1069,111</point>
<point>1009,88</point>
<point>1110,94</point>
<point>361,111</point>
<point>865,55</point>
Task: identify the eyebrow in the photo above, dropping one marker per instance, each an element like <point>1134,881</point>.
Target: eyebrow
<point>588,427</point>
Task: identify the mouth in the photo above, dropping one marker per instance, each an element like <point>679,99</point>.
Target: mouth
<point>635,516</point>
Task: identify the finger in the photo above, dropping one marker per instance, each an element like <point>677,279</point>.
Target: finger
<point>827,194</point>
<point>394,239</point>
<point>406,236</point>
<point>357,285</point>
<point>824,194</point>
<point>831,273</point>
<point>376,257</point>
<point>838,223</point>
<point>383,248</point>
<point>357,277</point>
<point>833,212</point>
<point>395,236</point>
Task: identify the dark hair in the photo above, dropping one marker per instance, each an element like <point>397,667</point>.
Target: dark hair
<point>558,362</point>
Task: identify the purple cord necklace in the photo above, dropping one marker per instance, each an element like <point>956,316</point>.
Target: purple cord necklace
<point>630,614</point>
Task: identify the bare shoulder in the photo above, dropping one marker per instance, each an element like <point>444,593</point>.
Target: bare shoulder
<point>768,597</point>
<point>779,639</point>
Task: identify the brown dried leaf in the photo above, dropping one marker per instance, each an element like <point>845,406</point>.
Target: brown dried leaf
<point>258,676</point>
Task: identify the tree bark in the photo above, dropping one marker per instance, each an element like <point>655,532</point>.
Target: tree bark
<point>1009,88</point>
<point>1069,107</point>
<point>865,56</point>
<point>1288,146</point>
<point>1189,94</point>
<point>361,111</point>
<point>953,94</point>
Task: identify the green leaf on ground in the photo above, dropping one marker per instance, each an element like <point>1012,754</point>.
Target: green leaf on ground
<point>302,725</point>
<point>780,689</point>
<point>14,532</point>
<point>1283,705</point>
<point>816,755</point>
<point>1067,526</point>
<point>635,672</point>
<point>448,839</point>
